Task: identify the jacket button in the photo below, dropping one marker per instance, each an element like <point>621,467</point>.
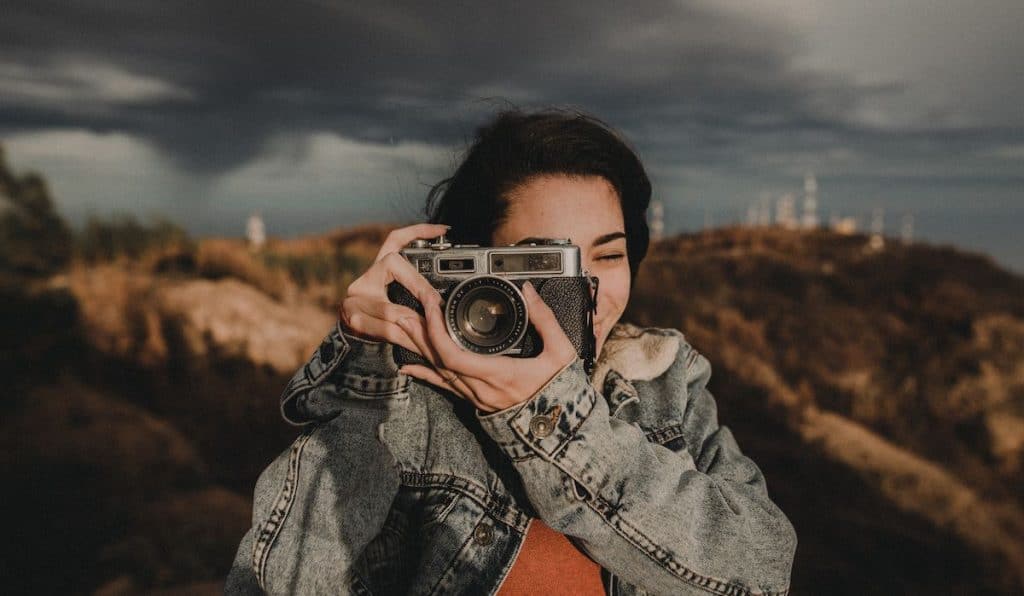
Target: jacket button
<point>541,426</point>
<point>483,534</point>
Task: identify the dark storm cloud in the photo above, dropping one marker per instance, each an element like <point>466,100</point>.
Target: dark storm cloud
<point>318,112</point>
<point>219,78</point>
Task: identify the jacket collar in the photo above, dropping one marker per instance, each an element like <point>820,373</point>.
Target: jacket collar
<point>634,354</point>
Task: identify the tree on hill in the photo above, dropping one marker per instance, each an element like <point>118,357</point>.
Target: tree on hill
<point>34,240</point>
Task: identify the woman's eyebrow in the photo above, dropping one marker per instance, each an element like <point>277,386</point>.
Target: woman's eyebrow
<point>597,241</point>
<point>607,238</point>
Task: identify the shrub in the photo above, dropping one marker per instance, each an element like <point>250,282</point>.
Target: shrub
<point>123,236</point>
<point>34,240</point>
<point>217,259</point>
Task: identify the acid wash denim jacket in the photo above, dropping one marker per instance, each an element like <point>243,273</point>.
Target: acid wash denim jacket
<point>395,487</point>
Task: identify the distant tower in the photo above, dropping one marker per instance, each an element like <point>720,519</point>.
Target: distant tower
<point>907,231</point>
<point>785,211</point>
<point>752,214</point>
<point>657,220</point>
<point>255,232</point>
<point>810,218</point>
<point>877,240</point>
<point>764,212</point>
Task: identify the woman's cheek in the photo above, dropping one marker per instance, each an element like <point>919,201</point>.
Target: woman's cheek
<point>614,294</point>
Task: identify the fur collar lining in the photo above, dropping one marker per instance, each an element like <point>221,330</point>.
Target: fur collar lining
<point>636,353</point>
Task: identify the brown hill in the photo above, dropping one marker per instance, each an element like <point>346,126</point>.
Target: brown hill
<point>881,392</point>
<point>899,370</point>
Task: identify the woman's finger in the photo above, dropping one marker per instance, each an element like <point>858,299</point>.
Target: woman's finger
<point>469,387</point>
<point>401,270</point>
<point>375,307</point>
<point>415,328</point>
<point>443,378</point>
<point>378,329</point>
<point>449,354</point>
<point>393,267</point>
<point>397,239</point>
<point>557,344</point>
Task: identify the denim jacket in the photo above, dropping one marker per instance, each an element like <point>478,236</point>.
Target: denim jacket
<point>395,487</point>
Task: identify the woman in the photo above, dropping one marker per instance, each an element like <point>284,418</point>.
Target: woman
<point>491,474</point>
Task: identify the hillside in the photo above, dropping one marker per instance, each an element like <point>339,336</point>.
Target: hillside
<point>881,393</point>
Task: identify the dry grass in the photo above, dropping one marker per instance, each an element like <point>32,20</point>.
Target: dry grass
<point>220,258</point>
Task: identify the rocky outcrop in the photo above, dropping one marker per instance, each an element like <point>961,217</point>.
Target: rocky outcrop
<point>142,318</point>
<point>231,320</point>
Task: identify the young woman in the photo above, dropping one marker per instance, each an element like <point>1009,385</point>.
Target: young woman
<point>498,475</point>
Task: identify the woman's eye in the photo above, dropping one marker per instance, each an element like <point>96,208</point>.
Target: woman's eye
<point>610,257</point>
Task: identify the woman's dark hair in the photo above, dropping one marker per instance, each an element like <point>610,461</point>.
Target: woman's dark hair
<point>517,146</point>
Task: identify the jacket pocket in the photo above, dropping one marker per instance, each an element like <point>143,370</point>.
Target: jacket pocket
<point>395,557</point>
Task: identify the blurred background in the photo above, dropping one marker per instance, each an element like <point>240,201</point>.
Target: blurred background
<point>187,189</point>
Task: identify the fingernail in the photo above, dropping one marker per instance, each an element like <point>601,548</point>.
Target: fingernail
<point>405,323</point>
<point>529,288</point>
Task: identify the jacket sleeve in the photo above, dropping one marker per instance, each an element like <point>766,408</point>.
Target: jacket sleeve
<point>311,520</point>
<point>696,520</point>
<point>342,367</point>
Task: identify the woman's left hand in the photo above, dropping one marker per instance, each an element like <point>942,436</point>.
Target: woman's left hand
<point>491,383</point>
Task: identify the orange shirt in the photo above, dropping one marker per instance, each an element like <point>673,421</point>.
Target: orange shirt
<point>549,564</point>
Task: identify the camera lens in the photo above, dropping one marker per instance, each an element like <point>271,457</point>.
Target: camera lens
<point>486,315</point>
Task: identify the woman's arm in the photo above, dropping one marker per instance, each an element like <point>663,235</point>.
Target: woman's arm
<point>696,520</point>
<point>343,366</point>
<point>321,502</point>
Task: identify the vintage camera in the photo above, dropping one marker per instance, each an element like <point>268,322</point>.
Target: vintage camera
<point>484,308</point>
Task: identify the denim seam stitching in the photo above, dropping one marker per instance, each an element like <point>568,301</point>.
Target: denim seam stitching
<point>308,381</point>
<point>512,561</point>
<point>270,529</point>
<point>612,516</point>
<point>456,560</point>
<point>505,512</point>
<point>665,434</point>
<point>365,395</point>
<point>382,384</point>
<point>339,355</point>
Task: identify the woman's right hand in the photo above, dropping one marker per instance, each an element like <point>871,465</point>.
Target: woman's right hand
<point>366,311</point>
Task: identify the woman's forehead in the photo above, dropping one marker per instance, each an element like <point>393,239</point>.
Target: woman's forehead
<point>582,208</point>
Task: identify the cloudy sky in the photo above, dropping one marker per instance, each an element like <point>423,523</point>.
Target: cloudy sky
<point>324,114</point>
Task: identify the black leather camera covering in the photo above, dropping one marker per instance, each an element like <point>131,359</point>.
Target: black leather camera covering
<point>568,297</point>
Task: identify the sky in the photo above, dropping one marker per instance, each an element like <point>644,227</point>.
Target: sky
<point>323,114</point>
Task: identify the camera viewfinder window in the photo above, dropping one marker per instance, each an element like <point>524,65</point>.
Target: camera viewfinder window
<point>456,265</point>
<point>540,262</point>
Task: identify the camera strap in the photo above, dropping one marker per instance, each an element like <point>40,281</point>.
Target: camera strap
<point>591,341</point>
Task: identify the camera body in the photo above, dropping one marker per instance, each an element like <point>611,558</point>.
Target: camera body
<point>481,293</point>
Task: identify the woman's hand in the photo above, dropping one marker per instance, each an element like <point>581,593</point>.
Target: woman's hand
<point>366,311</point>
<point>492,383</point>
